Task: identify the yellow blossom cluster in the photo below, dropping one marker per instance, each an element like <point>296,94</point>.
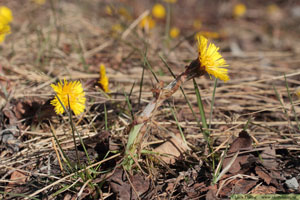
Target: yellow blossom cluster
<point>147,23</point>
<point>5,18</point>
<point>158,12</point>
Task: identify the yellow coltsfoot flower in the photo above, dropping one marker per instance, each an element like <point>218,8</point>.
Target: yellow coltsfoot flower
<point>104,81</point>
<point>147,23</point>
<point>4,29</point>
<point>159,11</point>
<point>5,15</point>
<point>5,18</point>
<point>211,60</point>
<point>174,32</point>
<point>239,10</point>
<point>69,92</point>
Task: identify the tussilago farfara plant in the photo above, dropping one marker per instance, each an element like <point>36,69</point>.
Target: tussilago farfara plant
<point>209,61</point>
<point>103,81</point>
<point>69,95</point>
<point>5,18</point>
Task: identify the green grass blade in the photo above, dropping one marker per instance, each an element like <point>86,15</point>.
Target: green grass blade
<point>141,85</point>
<point>206,132</point>
<point>150,67</point>
<point>178,125</point>
<point>129,106</point>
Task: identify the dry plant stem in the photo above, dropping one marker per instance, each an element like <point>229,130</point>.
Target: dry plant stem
<point>160,94</point>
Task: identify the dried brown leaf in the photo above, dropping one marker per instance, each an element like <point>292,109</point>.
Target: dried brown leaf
<point>242,186</point>
<point>243,142</point>
<point>173,148</point>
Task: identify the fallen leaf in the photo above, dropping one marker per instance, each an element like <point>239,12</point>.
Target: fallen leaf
<point>173,148</point>
<point>9,140</point>
<point>269,158</point>
<point>242,186</point>
<point>243,142</point>
<point>16,178</point>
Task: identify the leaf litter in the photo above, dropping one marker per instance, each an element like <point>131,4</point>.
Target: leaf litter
<point>259,56</point>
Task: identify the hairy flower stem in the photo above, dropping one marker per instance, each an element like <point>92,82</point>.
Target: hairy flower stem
<point>160,94</point>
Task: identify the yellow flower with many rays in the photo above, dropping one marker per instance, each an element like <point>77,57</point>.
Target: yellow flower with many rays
<point>5,15</point>
<point>239,10</point>
<point>147,23</point>
<point>69,92</point>
<point>103,81</point>
<point>5,18</point>
<point>211,60</point>
<point>174,32</point>
<point>4,29</point>
<point>159,11</point>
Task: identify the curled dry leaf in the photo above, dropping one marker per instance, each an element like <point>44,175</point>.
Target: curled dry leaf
<point>172,149</point>
<point>243,142</point>
<point>16,178</point>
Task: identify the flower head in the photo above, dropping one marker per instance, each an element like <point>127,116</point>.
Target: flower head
<point>239,10</point>
<point>147,23</point>
<point>104,81</point>
<point>5,18</point>
<point>5,15</point>
<point>174,32</point>
<point>4,29</point>
<point>211,60</point>
<point>69,92</point>
<point>159,11</point>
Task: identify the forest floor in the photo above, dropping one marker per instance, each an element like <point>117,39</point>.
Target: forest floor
<point>253,145</point>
